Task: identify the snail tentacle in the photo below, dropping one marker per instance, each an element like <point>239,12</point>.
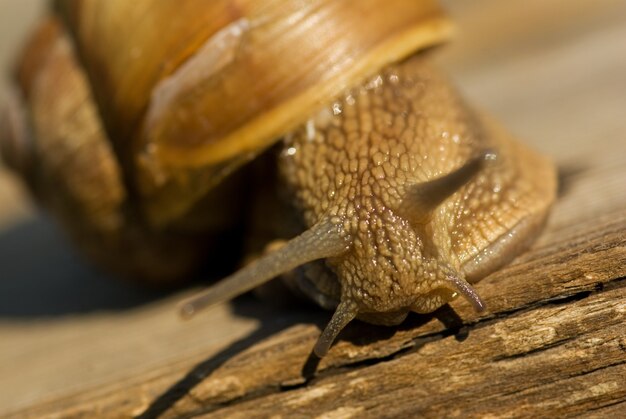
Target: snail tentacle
<point>466,290</point>
<point>423,198</point>
<point>345,313</point>
<point>320,241</point>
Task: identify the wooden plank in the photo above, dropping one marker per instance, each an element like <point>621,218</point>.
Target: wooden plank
<point>583,266</point>
<point>552,339</point>
<point>517,366</point>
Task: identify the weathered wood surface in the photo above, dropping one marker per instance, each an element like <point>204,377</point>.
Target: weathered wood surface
<point>552,342</point>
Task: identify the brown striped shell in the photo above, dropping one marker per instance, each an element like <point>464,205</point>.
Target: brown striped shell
<point>191,90</point>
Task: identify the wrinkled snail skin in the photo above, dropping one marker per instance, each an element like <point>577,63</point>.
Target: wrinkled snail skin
<point>408,194</point>
<point>404,195</point>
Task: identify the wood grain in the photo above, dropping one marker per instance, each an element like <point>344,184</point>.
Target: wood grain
<point>552,342</point>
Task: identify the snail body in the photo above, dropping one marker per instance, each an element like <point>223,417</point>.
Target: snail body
<point>405,195</point>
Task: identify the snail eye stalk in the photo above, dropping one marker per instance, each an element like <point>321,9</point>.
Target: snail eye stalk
<point>423,198</point>
<point>320,241</point>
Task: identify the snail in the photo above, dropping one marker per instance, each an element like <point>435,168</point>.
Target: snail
<point>136,122</point>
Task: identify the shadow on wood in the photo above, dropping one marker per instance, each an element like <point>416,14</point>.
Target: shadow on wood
<point>42,275</point>
<point>203,370</point>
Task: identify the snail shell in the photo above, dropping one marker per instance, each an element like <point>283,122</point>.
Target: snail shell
<point>406,195</point>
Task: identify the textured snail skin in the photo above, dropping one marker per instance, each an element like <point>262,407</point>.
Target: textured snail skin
<point>361,162</point>
<point>408,196</point>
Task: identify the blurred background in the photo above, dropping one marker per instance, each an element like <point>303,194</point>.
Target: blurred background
<point>41,274</point>
<point>553,71</point>
<point>16,19</point>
